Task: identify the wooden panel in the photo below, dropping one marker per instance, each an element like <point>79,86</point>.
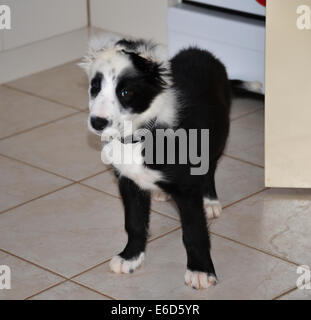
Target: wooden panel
<point>288,97</point>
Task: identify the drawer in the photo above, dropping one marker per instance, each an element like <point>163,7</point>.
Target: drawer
<point>218,26</point>
<point>241,63</point>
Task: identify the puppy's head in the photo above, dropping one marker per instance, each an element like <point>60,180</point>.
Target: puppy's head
<point>125,76</point>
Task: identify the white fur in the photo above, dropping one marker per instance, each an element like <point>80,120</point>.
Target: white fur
<point>212,208</point>
<point>199,280</point>
<point>128,160</point>
<point>120,265</point>
<point>106,57</point>
<point>255,86</point>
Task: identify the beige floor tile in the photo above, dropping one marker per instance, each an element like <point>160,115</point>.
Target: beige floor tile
<point>243,273</point>
<point>20,183</point>
<point>276,220</point>
<point>70,230</point>
<point>246,139</point>
<point>26,279</point>
<point>106,182</point>
<point>69,291</point>
<point>21,111</point>
<point>234,179</point>
<point>298,295</point>
<point>65,84</point>
<point>64,147</point>
<point>243,106</point>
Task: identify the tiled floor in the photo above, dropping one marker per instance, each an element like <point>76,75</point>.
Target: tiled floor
<point>61,217</point>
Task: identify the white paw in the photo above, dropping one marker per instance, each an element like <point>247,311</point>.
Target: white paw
<point>119,265</point>
<point>212,208</point>
<point>161,196</point>
<point>199,280</point>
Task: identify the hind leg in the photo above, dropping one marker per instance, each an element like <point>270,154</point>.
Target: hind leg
<point>212,205</point>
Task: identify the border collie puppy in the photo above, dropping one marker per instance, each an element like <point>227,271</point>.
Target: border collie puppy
<point>131,81</point>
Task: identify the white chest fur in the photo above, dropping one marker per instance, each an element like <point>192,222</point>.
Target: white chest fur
<point>128,160</point>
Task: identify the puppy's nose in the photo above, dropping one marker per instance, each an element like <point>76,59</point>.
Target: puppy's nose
<point>98,123</point>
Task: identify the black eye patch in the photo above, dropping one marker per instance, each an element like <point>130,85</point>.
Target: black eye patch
<point>96,84</point>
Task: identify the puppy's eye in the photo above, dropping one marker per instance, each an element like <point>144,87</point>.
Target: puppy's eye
<point>126,93</point>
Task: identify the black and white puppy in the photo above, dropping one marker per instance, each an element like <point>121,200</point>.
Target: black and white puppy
<point>130,80</point>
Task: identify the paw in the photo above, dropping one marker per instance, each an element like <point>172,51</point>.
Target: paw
<point>161,196</point>
<point>212,208</point>
<point>199,280</point>
<point>119,265</point>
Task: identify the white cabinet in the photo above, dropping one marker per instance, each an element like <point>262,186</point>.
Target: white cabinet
<point>34,20</point>
<point>288,96</point>
<point>238,42</point>
<point>248,6</point>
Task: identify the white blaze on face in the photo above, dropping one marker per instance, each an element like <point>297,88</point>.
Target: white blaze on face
<point>106,105</point>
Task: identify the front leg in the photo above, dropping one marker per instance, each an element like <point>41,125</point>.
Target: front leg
<point>137,210</point>
<point>200,272</point>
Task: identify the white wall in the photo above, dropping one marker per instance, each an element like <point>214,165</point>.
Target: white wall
<point>34,20</point>
<point>44,33</point>
<point>139,18</point>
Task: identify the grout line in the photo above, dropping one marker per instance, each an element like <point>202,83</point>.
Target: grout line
<point>164,234</point>
<point>51,172</point>
<point>107,260</point>
<point>36,167</point>
<point>246,114</point>
<point>94,175</point>
<point>246,197</point>
<point>70,183</point>
<point>90,268</point>
<point>165,215</point>
<point>40,125</point>
<point>46,289</point>
<point>91,289</point>
<point>244,161</point>
<point>33,263</point>
<point>36,198</point>
<point>285,293</point>
<point>254,248</point>
<point>42,97</point>
<point>118,197</point>
<point>99,190</point>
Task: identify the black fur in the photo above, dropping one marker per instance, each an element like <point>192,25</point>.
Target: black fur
<point>143,84</point>
<point>204,98</point>
<point>96,84</point>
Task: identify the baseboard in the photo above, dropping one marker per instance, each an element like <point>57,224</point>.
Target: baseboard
<point>42,55</point>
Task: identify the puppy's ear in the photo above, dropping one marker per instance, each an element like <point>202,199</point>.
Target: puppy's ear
<point>97,44</point>
<point>153,72</point>
<point>85,64</point>
<point>144,48</point>
<point>142,64</point>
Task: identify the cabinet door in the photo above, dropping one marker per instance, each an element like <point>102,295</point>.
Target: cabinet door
<point>288,95</point>
<point>34,20</point>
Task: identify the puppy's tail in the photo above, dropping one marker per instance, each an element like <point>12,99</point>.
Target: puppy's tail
<point>247,89</point>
